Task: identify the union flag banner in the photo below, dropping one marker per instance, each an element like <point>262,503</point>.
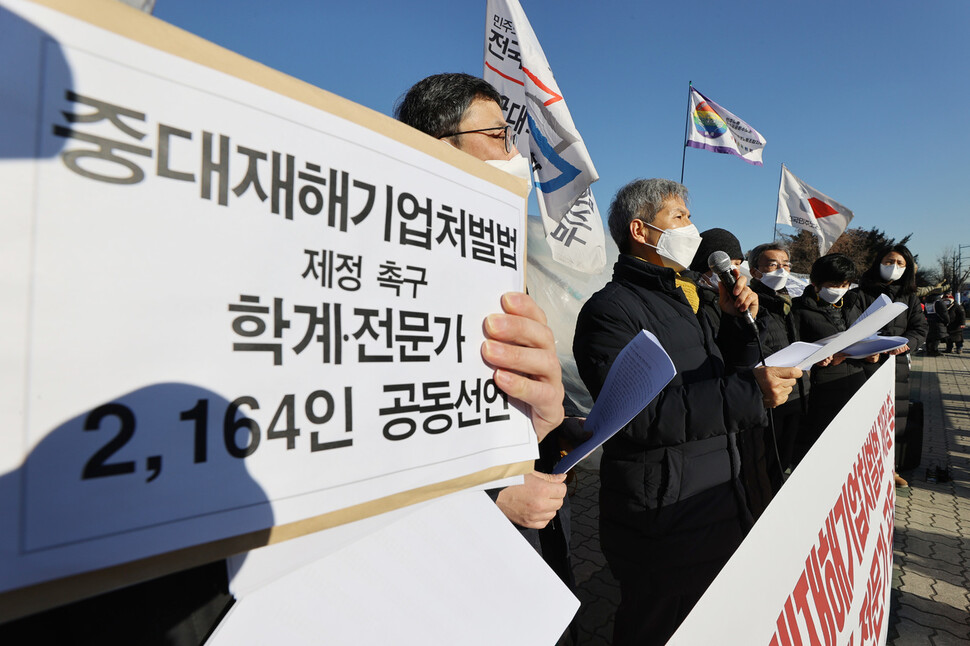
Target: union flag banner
<point>803,207</point>
<point>535,108</point>
<point>715,128</point>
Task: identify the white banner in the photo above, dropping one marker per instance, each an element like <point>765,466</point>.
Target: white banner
<point>227,308</point>
<point>516,65</point>
<point>817,567</point>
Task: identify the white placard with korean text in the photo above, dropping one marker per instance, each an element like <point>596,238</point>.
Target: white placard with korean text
<point>231,301</point>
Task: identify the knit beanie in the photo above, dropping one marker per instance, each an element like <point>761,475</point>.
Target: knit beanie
<point>715,240</point>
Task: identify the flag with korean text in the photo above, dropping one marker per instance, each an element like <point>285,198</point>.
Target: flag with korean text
<point>803,207</point>
<point>535,108</point>
<point>715,128</point>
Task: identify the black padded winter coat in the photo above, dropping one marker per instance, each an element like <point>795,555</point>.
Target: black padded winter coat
<point>671,505</point>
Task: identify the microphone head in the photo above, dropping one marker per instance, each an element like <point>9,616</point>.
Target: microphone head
<point>719,262</point>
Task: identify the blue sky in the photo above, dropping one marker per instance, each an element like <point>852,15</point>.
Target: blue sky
<point>865,101</point>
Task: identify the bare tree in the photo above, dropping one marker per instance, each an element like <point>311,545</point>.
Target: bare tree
<point>950,267</point>
<point>860,245</point>
<point>926,277</point>
<point>802,250</point>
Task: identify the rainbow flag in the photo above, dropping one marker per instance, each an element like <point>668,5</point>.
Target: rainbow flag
<point>715,128</point>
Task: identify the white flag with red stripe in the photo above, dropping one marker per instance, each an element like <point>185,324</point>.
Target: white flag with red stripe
<point>535,108</point>
<point>803,207</point>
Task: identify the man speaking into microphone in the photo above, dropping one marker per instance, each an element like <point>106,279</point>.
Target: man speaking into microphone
<point>672,507</point>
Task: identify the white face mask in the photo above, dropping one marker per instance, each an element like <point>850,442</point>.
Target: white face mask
<point>710,281</point>
<point>832,295</point>
<point>891,272</point>
<point>518,166</point>
<point>775,279</point>
<point>677,247</point>
<point>744,270</point>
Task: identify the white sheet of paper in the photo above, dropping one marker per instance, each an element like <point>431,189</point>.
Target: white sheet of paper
<point>252,570</point>
<point>805,355</point>
<point>864,348</point>
<point>796,286</point>
<point>639,373</point>
<point>877,304</point>
<point>454,571</point>
<point>874,345</point>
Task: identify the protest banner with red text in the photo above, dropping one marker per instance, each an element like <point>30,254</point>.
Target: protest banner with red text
<point>817,567</point>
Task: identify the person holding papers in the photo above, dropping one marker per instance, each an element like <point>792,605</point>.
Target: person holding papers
<point>893,273</point>
<point>672,507</point>
<point>770,267</point>
<point>827,307</point>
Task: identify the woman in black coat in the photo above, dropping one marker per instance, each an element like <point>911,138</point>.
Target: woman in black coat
<point>827,307</point>
<point>893,273</point>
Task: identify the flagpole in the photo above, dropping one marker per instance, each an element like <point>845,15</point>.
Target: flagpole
<point>774,236</point>
<point>686,130</point>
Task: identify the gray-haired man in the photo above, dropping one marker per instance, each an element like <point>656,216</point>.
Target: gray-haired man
<point>672,509</point>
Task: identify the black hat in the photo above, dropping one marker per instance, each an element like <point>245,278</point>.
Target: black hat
<point>715,240</point>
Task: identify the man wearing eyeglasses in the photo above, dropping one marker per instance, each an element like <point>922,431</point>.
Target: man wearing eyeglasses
<point>770,268</point>
<point>465,112</point>
<point>497,142</point>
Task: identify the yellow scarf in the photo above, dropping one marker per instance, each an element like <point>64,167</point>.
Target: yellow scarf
<point>686,286</point>
<point>690,291</point>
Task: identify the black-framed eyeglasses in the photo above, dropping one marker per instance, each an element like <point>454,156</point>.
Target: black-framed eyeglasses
<point>509,135</point>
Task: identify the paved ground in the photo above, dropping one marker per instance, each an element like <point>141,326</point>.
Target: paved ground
<point>931,563</point>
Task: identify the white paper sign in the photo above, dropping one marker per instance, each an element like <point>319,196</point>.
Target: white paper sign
<point>225,309</point>
<point>251,570</point>
<point>454,571</point>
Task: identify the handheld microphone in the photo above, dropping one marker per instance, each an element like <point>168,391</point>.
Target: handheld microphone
<point>720,264</point>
